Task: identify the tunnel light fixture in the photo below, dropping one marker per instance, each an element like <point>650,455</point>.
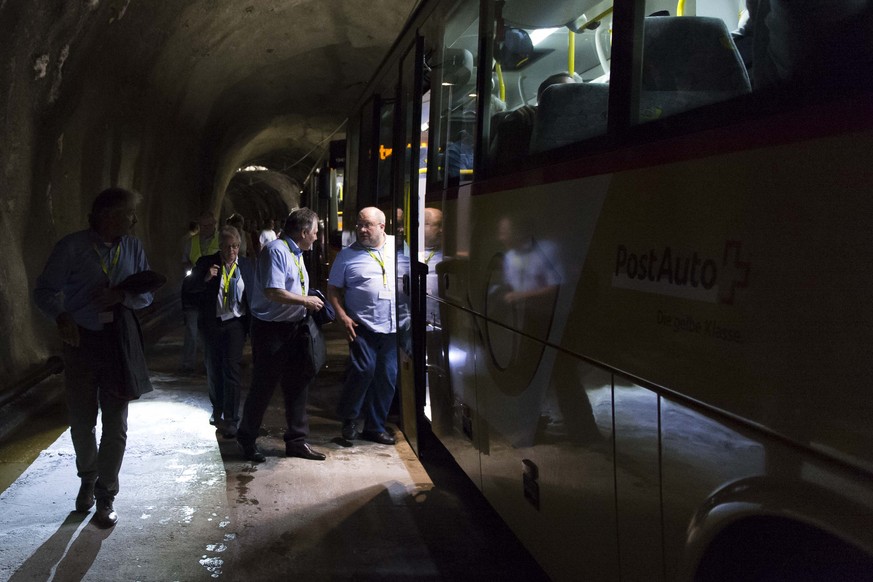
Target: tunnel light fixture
<point>253,169</point>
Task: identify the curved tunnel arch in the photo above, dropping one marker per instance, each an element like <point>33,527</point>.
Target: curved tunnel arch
<point>168,99</point>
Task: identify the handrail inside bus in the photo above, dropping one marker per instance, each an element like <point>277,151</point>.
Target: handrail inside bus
<point>500,82</point>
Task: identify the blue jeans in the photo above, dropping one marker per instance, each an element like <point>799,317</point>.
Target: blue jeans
<point>371,377</point>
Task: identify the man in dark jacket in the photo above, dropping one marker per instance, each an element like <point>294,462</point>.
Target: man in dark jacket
<point>221,285</point>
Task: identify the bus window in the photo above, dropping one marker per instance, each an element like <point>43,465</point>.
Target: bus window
<point>551,75</point>
<point>818,44</point>
<point>458,103</point>
<point>689,60</point>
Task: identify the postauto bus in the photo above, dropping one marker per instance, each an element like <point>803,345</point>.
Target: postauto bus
<point>639,265</point>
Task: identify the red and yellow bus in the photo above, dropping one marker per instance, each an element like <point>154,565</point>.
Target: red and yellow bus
<point>638,264</point>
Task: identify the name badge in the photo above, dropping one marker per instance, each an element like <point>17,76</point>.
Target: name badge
<point>105,317</point>
<point>386,294</point>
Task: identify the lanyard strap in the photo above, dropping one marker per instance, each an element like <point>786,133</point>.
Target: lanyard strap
<point>225,281</point>
<point>429,257</point>
<point>110,269</point>
<point>300,270</point>
<point>381,264</point>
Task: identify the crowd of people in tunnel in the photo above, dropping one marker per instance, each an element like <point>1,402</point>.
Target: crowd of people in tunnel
<point>235,287</point>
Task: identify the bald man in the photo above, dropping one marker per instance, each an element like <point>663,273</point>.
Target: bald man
<point>361,289</point>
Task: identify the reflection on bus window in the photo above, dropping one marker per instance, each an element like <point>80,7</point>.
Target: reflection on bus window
<point>550,78</point>
<point>458,102</point>
<point>817,43</point>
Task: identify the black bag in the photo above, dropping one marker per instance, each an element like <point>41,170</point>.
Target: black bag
<point>326,314</point>
<point>314,346</point>
<point>131,365</point>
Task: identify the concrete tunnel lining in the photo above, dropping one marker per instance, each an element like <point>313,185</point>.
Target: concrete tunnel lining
<point>168,99</point>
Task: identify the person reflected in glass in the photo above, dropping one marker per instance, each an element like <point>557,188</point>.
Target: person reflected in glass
<point>432,255</point>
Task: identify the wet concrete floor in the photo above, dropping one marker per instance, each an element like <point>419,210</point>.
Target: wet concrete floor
<point>190,508</point>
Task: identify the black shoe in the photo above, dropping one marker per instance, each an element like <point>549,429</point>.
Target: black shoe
<point>251,453</point>
<point>85,498</point>
<point>304,451</point>
<point>383,438</point>
<point>212,419</point>
<point>228,429</point>
<point>350,431</point>
<point>105,515</point>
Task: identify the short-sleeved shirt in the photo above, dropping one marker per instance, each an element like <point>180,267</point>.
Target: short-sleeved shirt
<point>369,296</point>
<point>266,236</point>
<point>80,264</point>
<point>280,266</point>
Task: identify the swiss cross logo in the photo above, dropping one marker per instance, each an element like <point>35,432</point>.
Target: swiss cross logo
<point>736,271</point>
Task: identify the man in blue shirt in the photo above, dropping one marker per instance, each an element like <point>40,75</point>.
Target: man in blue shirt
<point>78,289</point>
<point>279,306</point>
<point>361,289</point>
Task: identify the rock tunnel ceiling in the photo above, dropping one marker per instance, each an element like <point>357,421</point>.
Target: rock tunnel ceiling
<point>169,99</point>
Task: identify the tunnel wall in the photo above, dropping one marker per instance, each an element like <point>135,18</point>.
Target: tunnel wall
<point>74,119</point>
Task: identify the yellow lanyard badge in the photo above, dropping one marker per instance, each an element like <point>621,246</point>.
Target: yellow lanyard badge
<point>381,264</point>
<point>300,270</point>
<point>225,281</point>
<point>109,270</point>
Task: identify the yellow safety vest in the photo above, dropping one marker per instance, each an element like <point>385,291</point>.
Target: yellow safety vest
<point>196,253</point>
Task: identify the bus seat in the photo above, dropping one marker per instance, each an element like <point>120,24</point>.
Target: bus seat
<point>569,113</point>
<point>688,62</point>
<point>510,137</point>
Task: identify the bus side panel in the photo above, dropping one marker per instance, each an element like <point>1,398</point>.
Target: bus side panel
<point>637,481</point>
<point>742,281</point>
<point>553,483</point>
<point>717,474</point>
<point>453,393</point>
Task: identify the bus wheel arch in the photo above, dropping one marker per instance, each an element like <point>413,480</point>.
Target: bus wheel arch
<point>777,548</point>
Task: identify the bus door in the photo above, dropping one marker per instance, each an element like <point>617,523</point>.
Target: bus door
<point>409,203</point>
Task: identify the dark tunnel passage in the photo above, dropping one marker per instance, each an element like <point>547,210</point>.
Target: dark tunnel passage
<point>169,100</point>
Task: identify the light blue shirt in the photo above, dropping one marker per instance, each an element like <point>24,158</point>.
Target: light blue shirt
<point>369,296</point>
<point>80,264</point>
<point>277,269</point>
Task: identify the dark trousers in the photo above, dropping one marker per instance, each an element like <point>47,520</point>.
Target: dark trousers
<point>224,346</point>
<point>371,375</point>
<point>277,353</point>
<point>91,377</point>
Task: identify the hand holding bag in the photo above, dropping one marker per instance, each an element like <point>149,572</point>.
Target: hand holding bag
<point>326,314</point>
<point>313,344</point>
